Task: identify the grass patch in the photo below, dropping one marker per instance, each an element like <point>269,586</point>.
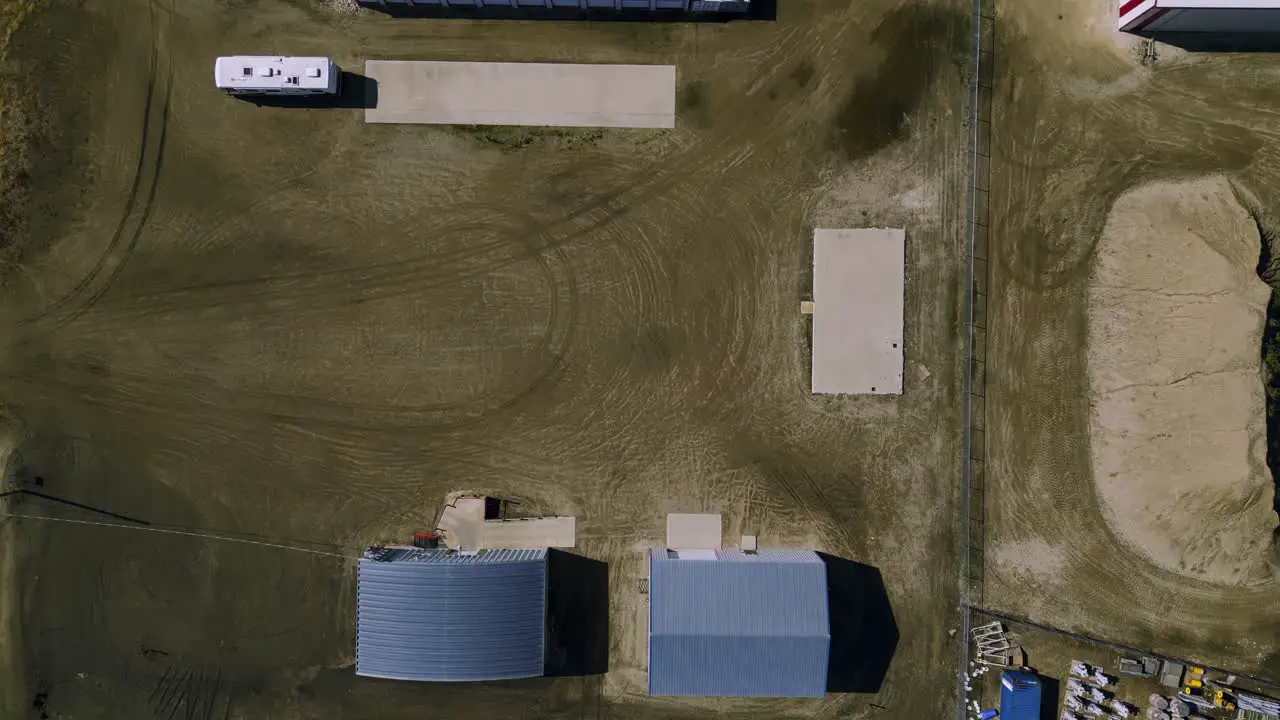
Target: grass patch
<point>18,125</point>
<point>17,128</point>
<point>518,137</point>
<point>513,138</point>
<point>12,13</point>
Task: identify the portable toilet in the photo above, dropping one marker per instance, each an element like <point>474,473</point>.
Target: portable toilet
<point>1019,695</point>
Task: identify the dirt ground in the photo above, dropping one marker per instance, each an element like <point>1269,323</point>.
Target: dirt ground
<point>293,328</point>
<point>1079,121</point>
<point>1178,428</point>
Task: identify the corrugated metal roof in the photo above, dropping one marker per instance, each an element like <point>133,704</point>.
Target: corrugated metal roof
<point>439,615</point>
<point>451,557</point>
<point>1019,695</point>
<point>791,557</point>
<point>742,625</point>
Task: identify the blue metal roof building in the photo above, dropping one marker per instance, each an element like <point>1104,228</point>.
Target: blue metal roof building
<point>724,623</point>
<point>1019,695</point>
<point>440,615</point>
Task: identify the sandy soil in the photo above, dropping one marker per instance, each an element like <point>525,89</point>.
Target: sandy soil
<point>1078,122</point>
<point>288,326</point>
<point>1178,432</point>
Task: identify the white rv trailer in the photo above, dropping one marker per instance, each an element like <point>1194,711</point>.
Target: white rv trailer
<point>1212,16</point>
<point>273,75</point>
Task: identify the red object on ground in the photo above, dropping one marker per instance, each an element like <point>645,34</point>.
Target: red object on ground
<point>427,540</point>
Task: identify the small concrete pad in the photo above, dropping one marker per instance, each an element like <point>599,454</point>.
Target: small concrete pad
<point>461,520</point>
<point>464,527</point>
<point>859,279</point>
<point>466,535</point>
<point>693,531</point>
<point>538,532</point>
<point>539,94</point>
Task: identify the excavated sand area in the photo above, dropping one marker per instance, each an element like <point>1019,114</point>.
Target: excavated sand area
<point>1178,434</point>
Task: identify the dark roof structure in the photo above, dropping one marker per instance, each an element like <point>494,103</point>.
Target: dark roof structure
<point>725,623</point>
<point>439,615</point>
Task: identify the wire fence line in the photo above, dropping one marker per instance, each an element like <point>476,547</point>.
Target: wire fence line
<point>1121,647</point>
<point>188,533</point>
<point>977,282</point>
<point>973,402</point>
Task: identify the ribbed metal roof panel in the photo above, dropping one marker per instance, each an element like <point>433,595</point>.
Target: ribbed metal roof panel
<point>450,557</point>
<point>436,615</point>
<point>712,666</point>
<point>741,625</point>
<point>789,557</point>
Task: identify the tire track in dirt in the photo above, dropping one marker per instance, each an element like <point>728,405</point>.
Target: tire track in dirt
<point>802,489</point>
<point>117,261</point>
<point>197,694</point>
<point>596,212</point>
<point>146,172</point>
<point>384,456</point>
<point>554,343</point>
<point>129,391</point>
<point>676,183</point>
<point>392,279</point>
<point>739,357</point>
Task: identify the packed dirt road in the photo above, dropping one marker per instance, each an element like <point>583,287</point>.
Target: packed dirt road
<point>289,327</point>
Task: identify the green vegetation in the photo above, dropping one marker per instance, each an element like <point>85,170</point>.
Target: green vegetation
<point>17,130</point>
<point>515,137</point>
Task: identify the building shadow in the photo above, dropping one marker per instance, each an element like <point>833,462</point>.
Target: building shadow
<point>864,633</point>
<point>1049,688</point>
<point>760,10</point>
<point>1218,42</point>
<point>577,630</point>
<point>355,91</point>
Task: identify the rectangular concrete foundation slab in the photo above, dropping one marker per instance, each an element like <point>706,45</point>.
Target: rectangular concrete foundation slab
<point>691,531</point>
<point>858,297</point>
<point>539,532</point>
<point>538,94</point>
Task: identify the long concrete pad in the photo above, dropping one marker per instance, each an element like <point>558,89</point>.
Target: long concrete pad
<point>539,94</point>
<point>689,531</point>
<point>540,532</point>
<point>859,279</point>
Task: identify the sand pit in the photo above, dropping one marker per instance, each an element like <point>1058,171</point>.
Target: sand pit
<point>1176,312</point>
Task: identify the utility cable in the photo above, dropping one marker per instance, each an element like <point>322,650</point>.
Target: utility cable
<point>207,536</point>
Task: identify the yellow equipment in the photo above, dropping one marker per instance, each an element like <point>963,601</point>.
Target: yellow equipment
<point>1224,701</point>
